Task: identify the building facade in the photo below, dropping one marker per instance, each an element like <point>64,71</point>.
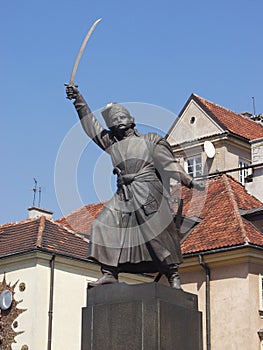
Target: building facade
<point>208,138</point>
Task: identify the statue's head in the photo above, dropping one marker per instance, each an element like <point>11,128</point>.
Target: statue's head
<point>117,116</point>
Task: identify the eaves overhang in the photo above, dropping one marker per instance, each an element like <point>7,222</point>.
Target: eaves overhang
<point>200,141</point>
<point>251,212</point>
<point>224,250</point>
<point>224,257</point>
<point>46,251</point>
<point>226,135</point>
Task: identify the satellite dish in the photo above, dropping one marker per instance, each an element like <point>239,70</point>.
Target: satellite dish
<point>209,149</point>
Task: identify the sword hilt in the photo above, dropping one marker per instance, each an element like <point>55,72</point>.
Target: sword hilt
<point>117,171</point>
<point>72,93</point>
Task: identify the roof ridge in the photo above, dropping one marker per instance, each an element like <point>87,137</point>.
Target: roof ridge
<point>42,224</point>
<point>76,234</point>
<point>216,104</point>
<point>42,221</point>
<point>25,221</point>
<point>229,176</point>
<point>239,114</point>
<point>82,207</point>
<point>235,207</point>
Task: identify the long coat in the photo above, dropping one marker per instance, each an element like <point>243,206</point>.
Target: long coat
<point>136,226</point>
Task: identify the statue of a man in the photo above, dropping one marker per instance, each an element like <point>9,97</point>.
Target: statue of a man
<point>135,231</point>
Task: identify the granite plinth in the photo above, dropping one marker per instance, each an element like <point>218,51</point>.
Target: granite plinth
<point>142,316</point>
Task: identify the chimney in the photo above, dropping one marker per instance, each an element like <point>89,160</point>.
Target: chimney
<point>35,212</point>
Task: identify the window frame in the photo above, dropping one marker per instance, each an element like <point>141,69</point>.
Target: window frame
<point>243,173</point>
<point>260,302</point>
<point>194,172</point>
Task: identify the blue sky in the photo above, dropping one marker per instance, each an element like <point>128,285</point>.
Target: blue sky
<point>148,52</point>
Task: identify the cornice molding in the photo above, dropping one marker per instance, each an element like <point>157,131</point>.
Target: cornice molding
<point>231,257</point>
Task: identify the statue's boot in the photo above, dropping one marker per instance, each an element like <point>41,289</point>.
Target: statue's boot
<point>174,280</point>
<point>109,276</point>
<point>171,272</point>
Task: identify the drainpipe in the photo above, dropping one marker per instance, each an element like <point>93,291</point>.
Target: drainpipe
<point>51,297</point>
<point>207,297</point>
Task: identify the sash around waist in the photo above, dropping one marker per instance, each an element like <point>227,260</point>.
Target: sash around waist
<point>141,176</point>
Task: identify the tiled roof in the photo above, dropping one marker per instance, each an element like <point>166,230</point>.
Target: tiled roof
<point>80,220</point>
<point>231,121</point>
<point>41,233</point>
<point>222,224</point>
<point>218,206</point>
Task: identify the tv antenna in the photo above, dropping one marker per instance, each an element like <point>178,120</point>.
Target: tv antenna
<point>36,191</point>
<point>254,106</point>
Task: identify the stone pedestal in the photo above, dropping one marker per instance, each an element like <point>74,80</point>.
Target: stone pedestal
<point>147,316</point>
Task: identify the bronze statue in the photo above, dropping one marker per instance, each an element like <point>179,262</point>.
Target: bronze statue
<point>135,232</point>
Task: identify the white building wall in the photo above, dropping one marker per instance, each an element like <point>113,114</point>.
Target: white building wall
<point>70,283</point>
<point>70,286</point>
<point>33,322</point>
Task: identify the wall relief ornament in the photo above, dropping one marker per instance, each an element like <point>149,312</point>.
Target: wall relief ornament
<point>8,314</point>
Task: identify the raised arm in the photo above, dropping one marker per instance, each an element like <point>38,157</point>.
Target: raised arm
<point>90,124</point>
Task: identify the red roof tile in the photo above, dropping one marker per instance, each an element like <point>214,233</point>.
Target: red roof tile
<point>41,233</point>
<point>222,225</point>
<point>81,219</point>
<point>231,121</point>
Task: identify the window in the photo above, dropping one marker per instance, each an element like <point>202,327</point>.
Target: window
<point>261,295</point>
<point>192,120</point>
<point>260,334</point>
<point>193,166</point>
<point>243,173</point>
<point>260,331</point>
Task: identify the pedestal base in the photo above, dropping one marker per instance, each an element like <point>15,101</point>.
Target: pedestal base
<point>146,316</point>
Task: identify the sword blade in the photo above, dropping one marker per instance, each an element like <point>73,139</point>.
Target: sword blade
<point>81,50</point>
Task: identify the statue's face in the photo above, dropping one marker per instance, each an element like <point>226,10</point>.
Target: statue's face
<point>121,121</point>
<point>117,117</point>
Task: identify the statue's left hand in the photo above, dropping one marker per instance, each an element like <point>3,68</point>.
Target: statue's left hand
<point>198,184</point>
<point>72,91</point>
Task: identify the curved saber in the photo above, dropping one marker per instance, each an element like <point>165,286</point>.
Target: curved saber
<point>81,50</point>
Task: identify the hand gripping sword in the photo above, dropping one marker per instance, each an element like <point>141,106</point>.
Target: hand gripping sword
<point>81,50</point>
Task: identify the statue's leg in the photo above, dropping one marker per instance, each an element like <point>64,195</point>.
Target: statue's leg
<point>171,272</point>
<point>109,275</point>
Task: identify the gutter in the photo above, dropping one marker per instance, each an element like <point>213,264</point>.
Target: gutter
<point>207,298</point>
<point>47,251</point>
<point>224,249</point>
<point>51,298</point>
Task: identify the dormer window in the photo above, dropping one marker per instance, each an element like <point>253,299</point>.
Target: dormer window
<point>243,173</point>
<point>193,166</point>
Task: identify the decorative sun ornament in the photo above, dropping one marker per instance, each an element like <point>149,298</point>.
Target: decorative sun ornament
<point>8,315</point>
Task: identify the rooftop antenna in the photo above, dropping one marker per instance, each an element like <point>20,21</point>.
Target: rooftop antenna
<point>36,190</point>
<point>39,196</point>
<point>254,105</point>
